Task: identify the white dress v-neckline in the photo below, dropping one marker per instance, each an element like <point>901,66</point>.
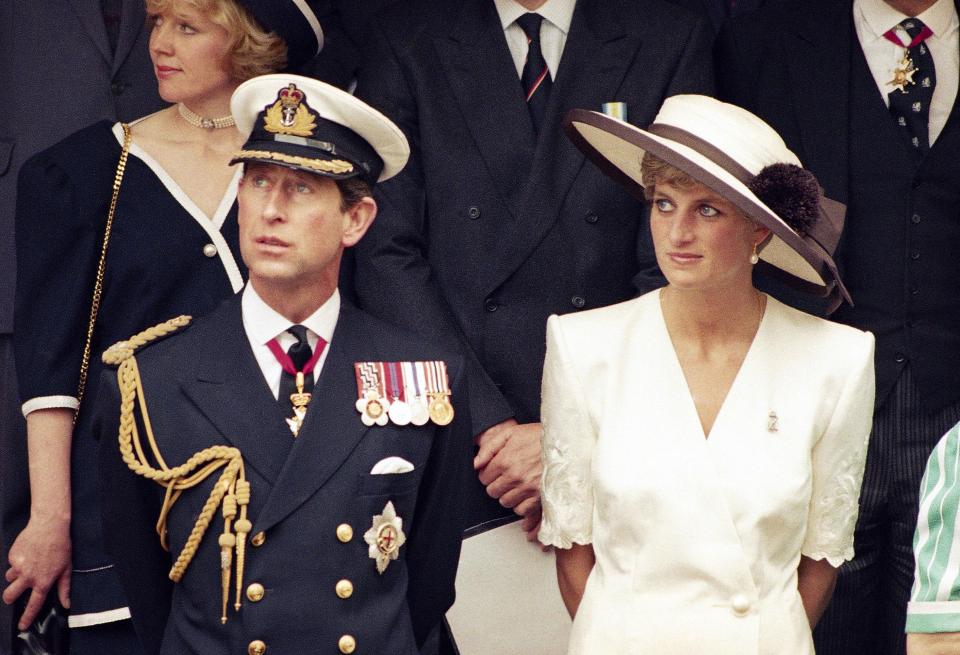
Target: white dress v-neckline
<point>684,387</point>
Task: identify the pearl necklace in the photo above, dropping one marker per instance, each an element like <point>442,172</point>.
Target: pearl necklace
<point>202,122</point>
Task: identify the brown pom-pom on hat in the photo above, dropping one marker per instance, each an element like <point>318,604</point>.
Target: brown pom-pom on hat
<point>793,193</point>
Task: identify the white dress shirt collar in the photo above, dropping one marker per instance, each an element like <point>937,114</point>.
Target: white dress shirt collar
<point>881,17</point>
<point>558,12</point>
<point>263,323</point>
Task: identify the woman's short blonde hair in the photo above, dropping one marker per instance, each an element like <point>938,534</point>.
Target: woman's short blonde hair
<point>253,51</point>
<point>654,170</point>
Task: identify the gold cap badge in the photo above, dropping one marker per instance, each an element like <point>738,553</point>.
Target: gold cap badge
<point>290,114</point>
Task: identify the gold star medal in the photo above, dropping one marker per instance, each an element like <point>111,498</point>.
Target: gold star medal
<point>299,400</point>
<point>903,73</point>
<point>385,537</point>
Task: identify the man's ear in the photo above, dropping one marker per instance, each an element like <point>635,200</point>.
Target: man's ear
<point>357,220</point>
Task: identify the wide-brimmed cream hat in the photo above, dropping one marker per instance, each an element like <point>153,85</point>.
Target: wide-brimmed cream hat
<point>736,154</point>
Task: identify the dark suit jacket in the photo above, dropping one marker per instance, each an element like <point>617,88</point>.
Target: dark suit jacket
<point>204,388</point>
<point>490,229</point>
<point>792,64</point>
<point>59,76</point>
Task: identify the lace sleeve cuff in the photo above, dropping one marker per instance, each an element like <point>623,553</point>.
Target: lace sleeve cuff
<point>567,454</point>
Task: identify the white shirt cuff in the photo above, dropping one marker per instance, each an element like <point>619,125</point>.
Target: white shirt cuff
<point>50,402</point>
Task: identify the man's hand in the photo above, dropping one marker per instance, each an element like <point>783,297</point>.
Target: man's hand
<point>509,467</point>
<point>39,559</point>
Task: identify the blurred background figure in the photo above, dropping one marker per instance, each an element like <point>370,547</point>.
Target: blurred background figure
<point>865,92</point>
<point>495,223</point>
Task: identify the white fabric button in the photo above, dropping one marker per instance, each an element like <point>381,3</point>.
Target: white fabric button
<point>740,604</point>
<point>210,250</point>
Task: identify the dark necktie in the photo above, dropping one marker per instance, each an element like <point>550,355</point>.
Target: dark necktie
<point>111,18</point>
<point>535,77</point>
<point>299,353</point>
<point>914,81</point>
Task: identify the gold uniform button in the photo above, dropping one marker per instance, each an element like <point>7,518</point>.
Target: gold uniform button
<point>256,647</point>
<point>344,589</point>
<point>344,532</point>
<point>347,644</point>
<point>255,592</point>
<point>258,539</point>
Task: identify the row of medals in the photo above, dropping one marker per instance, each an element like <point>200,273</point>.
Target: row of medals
<point>377,410</point>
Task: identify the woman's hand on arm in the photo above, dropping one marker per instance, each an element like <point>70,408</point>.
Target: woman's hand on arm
<point>573,567</point>
<point>40,555</point>
<point>815,581</point>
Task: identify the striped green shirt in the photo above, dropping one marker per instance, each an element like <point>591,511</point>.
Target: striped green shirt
<point>935,600</point>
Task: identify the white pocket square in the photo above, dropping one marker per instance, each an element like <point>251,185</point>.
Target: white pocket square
<point>391,465</point>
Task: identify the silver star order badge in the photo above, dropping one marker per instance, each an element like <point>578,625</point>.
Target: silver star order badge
<point>385,537</point>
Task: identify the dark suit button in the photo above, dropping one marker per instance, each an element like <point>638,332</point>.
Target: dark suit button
<point>117,88</point>
<point>491,306</point>
<point>899,358</point>
<point>474,213</point>
<point>578,302</point>
<point>915,255</point>
<point>915,219</point>
<point>591,218</point>
<point>914,291</point>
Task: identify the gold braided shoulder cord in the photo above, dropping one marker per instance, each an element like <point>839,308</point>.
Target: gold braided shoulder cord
<point>232,490</point>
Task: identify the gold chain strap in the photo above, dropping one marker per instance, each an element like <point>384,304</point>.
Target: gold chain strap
<point>101,267</point>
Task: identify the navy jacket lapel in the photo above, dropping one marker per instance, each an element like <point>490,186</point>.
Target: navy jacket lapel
<point>597,55</point>
<point>819,55</point>
<point>332,429</point>
<point>229,389</point>
<point>91,17</point>
<point>484,81</point>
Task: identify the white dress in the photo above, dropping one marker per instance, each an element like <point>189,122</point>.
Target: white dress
<point>697,541</point>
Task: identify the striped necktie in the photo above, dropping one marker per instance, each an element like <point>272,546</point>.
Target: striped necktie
<point>536,76</point>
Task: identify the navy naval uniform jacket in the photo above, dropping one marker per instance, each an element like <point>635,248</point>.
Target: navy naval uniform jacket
<point>312,498</point>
